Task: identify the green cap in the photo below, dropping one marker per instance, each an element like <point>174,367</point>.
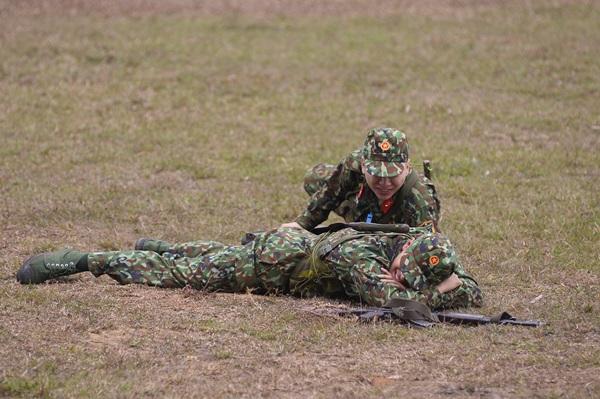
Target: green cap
<point>385,152</point>
<point>429,260</point>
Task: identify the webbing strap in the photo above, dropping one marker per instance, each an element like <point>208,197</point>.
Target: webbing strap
<point>316,266</point>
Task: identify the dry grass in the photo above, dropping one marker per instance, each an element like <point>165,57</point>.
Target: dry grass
<point>186,120</point>
<point>267,8</point>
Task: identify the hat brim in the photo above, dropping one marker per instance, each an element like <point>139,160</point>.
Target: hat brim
<point>384,169</point>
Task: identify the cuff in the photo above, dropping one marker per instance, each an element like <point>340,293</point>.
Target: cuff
<point>305,222</point>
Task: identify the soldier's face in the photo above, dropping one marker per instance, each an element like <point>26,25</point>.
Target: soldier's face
<point>385,187</point>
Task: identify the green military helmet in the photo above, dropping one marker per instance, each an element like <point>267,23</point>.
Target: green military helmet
<point>429,260</point>
<point>385,153</point>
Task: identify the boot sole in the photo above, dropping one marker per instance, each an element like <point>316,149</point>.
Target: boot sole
<point>26,275</point>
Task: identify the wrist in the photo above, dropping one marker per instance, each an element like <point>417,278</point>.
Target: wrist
<point>305,222</point>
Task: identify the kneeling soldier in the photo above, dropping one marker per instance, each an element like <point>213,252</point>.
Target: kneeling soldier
<point>374,184</point>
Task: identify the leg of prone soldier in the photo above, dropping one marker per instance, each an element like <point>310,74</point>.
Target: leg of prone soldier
<point>213,271</point>
<point>189,249</point>
<point>262,265</point>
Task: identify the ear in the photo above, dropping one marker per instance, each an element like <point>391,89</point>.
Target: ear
<point>408,168</point>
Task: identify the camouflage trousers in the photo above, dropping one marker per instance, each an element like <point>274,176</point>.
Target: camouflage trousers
<point>263,265</point>
<point>274,262</point>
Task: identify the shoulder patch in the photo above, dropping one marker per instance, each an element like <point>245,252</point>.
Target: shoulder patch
<point>434,260</point>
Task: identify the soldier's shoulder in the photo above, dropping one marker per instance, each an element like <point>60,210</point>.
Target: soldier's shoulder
<point>352,161</point>
<point>419,186</point>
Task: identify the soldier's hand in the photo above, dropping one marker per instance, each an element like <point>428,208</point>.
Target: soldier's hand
<point>449,284</point>
<point>293,225</point>
<point>393,278</point>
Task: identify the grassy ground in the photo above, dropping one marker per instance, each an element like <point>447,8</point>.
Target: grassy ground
<point>184,120</point>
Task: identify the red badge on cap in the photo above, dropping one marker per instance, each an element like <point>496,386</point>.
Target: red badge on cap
<point>385,145</point>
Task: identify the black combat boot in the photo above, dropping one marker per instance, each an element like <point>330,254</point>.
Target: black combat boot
<point>42,267</point>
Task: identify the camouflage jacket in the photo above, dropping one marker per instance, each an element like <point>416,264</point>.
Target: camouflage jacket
<point>343,264</point>
<point>345,191</point>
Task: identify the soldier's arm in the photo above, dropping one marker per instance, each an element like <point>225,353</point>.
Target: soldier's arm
<point>457,290</point>
<point>357,263</point>
<point>395,279</point>
<point>376,291</point>
<point>450,283</point>
<point>466,295</point>
<point>362,268</point>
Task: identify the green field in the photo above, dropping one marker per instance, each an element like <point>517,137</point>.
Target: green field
<point>182,120</point>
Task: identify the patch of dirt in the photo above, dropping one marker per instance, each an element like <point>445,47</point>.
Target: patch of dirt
<point>118,337</point>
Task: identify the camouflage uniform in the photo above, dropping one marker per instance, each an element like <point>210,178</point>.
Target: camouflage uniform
<point>343,189</point>
<point>293,261</point>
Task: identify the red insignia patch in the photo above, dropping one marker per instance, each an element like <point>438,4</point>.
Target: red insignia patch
<point>385,145</point>
<point>434,260</point>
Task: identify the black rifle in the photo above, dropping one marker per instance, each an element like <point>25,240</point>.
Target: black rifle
<point>424,320</point>
<point>362,226</point>
<point>476,319</point>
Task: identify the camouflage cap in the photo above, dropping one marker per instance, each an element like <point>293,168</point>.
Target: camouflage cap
<point>385,152</point>
<point>428,260</point>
